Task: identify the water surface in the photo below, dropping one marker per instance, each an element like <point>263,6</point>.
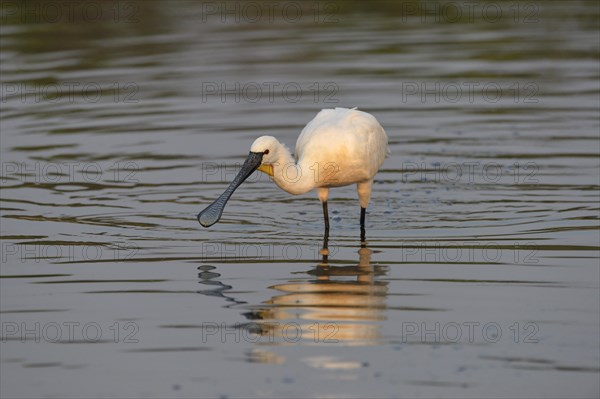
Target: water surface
<point>480,277</point>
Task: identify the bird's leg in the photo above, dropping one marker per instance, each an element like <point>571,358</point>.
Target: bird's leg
<point>364,194</point>
<point>325,250</point>
<point>326,217</point>
<point>363,211</point>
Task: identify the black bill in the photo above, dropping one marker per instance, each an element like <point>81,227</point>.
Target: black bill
<point>213,212</point>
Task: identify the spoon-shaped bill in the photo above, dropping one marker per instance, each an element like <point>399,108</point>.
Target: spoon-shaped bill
<point>213,212</point>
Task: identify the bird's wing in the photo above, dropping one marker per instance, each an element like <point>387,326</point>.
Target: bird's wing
<point>322,119</point>
<point>347,122</point>
<point>366,126</point>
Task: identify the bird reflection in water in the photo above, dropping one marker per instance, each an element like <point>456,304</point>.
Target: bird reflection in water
<point>217,288</point>
<point>336,304</point>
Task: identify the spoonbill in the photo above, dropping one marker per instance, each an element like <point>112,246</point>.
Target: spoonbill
<point>337,148</point>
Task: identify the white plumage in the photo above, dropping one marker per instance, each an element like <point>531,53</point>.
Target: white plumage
<point>338,147</point>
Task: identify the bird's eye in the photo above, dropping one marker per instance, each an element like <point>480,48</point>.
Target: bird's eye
<point>266,152</point>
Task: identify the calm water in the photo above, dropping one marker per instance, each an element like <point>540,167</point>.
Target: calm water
<point>121,120</point>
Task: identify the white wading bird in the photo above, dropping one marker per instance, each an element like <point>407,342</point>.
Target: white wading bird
<point>337,148</point>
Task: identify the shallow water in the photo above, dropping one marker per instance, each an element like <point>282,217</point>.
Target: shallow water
<point>480,277</point>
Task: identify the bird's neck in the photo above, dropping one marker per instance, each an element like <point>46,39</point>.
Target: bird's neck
<point>291,176</point>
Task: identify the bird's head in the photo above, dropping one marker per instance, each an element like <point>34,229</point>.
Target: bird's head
<point>269,147</point>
